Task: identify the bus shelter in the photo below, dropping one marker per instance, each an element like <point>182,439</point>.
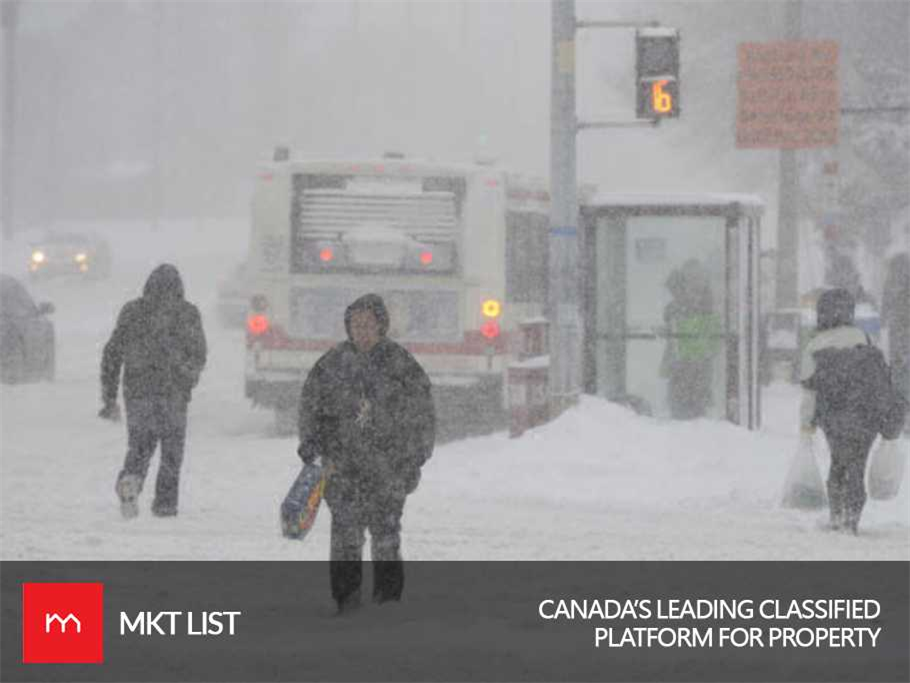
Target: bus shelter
<point>671,304</point>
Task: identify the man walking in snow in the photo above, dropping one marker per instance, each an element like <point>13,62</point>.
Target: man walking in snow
<point>366,410</point>
<point>160,345</point>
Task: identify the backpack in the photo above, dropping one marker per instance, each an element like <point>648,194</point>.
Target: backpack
<point>853,391</point>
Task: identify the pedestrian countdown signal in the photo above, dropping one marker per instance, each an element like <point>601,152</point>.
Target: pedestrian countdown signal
<point>657,73</point>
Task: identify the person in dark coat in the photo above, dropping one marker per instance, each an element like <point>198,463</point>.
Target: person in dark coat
<point>692,341</point>
<point>848,440</point>
<point>366,410</point>
<point>896,319</point>
<point>160,345</point>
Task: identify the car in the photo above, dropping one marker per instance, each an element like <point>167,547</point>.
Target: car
<point>233,297</point>
<point>69,253</point>
<point>27,338</point>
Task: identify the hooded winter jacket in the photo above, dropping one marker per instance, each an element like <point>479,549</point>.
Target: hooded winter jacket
<point>835,330</point>
<point>158,341</point>
<point>368,414</point>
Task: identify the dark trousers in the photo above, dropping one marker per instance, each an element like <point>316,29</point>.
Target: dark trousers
<point>846,485</point>
<point>689,389</point>
<point>148,422</point>
<point>355,510</point>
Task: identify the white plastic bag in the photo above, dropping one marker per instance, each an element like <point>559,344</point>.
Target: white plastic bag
<point>886,471</point>
<point>803,488</point>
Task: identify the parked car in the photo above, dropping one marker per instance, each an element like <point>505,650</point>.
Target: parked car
<point>27,341</point>
<point>233,297</point>
<point>69,254</point>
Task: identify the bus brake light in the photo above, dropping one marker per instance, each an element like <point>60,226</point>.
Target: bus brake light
<point>490,329</point>
<point>426,257</point>
<point>326,255</point>
<point>257,325</point>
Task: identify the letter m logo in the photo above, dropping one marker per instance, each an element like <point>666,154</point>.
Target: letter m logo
<point>62,623</point>
<point>51,618</point>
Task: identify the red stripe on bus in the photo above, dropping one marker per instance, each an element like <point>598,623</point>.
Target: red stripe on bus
<point>473,344</point>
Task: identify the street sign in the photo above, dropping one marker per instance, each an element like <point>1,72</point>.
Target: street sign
<point>788,95</point>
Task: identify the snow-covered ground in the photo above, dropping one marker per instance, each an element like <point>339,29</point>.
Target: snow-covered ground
<point>600,483</point>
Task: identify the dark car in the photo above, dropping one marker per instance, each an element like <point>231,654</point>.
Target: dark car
<point>27,345</point>
<point>69,254</point>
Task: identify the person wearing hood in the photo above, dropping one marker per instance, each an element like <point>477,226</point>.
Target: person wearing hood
<point>160,346</point>
<point>692,341</point>
<point>366,410</point>
<point>848,439</point>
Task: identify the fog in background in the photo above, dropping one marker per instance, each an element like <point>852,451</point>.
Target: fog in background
<point>126,110</point>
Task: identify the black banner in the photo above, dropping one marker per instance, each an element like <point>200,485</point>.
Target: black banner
<point>461,621</point>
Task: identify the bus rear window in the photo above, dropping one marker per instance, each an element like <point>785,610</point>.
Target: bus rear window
<point>375,223</point>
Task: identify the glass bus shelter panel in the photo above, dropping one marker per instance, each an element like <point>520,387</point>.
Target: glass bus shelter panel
<point>673,270</point>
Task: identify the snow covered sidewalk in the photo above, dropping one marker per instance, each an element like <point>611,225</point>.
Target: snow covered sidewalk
<point>599,483</point>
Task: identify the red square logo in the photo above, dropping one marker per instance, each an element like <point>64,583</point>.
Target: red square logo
<point>62,623</point>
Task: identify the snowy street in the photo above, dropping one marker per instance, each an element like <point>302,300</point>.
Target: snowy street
<point>601,483</point>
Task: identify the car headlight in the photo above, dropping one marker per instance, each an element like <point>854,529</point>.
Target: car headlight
<point>81,257</point>
<point>38,256</point>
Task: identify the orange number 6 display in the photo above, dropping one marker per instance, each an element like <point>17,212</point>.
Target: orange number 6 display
<point>662,100</point>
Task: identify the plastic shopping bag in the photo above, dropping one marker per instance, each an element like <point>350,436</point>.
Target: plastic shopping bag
<point>886,471</point>
<point>803,488</point>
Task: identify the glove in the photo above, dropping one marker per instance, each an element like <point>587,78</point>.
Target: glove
<point>306,454</point>
<point>110,411</point>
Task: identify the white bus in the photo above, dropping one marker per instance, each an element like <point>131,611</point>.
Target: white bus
<point>458,252</point>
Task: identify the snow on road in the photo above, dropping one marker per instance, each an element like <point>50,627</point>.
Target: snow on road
<point>600,483</point>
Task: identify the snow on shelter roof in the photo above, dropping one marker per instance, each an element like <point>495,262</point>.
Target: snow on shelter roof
<point>747,203</point>
<point>658,31</point>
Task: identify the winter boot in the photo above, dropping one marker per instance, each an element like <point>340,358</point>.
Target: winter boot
<point>349,604</point>
<point>164,511</point>
<point>838,520</point>
<point>837,506</point>
<point>851,522</point>
<point>128,488</point>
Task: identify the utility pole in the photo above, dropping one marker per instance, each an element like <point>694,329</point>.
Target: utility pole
<point>564,291</point>
<point>10,20</point>
<point>786,290</point>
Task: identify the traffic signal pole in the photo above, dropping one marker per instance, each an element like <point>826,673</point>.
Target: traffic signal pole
<point>564,304</point>
<point>564,310</point>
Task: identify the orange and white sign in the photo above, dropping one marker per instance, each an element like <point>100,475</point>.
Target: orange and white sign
<point>788,95</point>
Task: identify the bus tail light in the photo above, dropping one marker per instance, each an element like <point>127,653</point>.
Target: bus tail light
<point>257,324</point>
<point>432,255</point>
<point>490,329</point>
<point>323,253</point>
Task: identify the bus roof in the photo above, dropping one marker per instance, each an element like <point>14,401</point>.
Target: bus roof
<point>369,166</point>
<point>662,202</point>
